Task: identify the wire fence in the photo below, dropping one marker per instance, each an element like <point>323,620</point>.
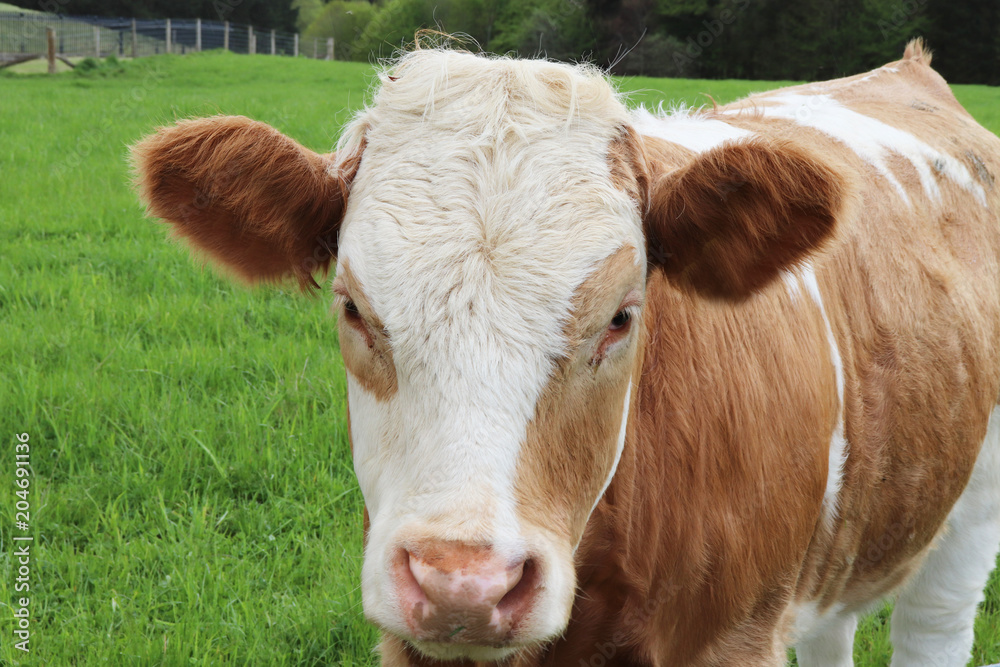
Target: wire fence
<point>24,34</point>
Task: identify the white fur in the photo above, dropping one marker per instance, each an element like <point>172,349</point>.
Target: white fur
<point>932,625</point>
<point>483,201</point>
<point>873,141</point>
<point>861,79</point>
<point>838,441</point>
<point>687,128</point>
<point>874,73</point>
<point>824,639</point>
<point>791,285</point>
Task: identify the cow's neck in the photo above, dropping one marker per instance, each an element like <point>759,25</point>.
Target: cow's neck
<point>670,531</point>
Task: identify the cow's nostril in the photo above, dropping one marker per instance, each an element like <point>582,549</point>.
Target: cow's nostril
<point>517,601</point>
<point>460,593</point>
<point>407,585</point>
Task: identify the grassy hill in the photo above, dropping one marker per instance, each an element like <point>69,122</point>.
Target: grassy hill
<point>193,499</point>
<point>6,7</point>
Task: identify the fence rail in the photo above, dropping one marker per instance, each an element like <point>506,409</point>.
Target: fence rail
<point>26,34</point>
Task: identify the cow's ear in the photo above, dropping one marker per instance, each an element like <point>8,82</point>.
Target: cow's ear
<point>730,221</point>
<point>253,200</point>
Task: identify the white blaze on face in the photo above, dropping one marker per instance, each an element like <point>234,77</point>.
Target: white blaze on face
<point>469,231</point>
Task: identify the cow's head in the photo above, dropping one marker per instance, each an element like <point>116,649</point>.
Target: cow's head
<point>491,279</point>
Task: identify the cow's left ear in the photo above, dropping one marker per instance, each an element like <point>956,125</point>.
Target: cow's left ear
<point>729,222</point>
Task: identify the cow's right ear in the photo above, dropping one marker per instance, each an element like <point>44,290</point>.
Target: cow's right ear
<point>255,201</point>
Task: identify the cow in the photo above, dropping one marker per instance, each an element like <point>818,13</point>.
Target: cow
<point>632,387</point>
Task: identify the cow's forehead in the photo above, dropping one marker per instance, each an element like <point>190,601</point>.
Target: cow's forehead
<point>442,259</point>
<point>484,199</point>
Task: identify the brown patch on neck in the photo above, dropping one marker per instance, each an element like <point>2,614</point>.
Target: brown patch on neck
<point>364,345</point>
<point>680,554</point>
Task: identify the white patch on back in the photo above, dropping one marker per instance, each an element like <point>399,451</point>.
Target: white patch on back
<point>867,77</point>
<point>687,129</point>
<point>873,141</point>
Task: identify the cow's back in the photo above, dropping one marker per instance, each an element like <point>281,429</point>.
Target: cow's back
<point>911,291</point>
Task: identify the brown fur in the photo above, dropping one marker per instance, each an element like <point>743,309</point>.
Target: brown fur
<point>729,221</point>
<point>364,344</point>
<point>251,198</point>
<point>700,445</point>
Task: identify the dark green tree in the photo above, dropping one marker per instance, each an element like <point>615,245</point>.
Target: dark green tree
<point>965,38</point>
<point>345,22</point>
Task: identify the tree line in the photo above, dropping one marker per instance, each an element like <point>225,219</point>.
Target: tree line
<point>744,39</point>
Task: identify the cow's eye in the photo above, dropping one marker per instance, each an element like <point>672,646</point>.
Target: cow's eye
<point>620,320</point>
<point>352,316</point>
<point>618,330</point>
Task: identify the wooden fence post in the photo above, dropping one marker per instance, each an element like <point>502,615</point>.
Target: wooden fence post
<point>97,42</point>
<point>225,35</point>
<point>315,47</point>
<point>274,49</point>
<point>295,46</point>
<point>329,48</point>
<point>135,41</point>
<point>50,35</point>
<point>168,35</point>
<point>251,38</point>
<point>197,34</point>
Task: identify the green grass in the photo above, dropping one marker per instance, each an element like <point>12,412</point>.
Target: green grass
<point>193,499</point>
<point>7,7</point>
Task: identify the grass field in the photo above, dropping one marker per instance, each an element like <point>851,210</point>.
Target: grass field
<point>193,499</point>
<point>7,7</point>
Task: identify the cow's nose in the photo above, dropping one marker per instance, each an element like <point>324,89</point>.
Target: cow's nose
<point>460,593</point>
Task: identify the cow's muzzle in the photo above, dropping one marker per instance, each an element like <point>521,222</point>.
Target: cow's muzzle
<point>461,594</point>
